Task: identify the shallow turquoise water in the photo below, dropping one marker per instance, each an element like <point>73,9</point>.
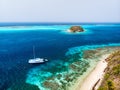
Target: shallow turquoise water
<point>51,42</point>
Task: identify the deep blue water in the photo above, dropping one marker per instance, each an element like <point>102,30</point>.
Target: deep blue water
<point>16,49</point>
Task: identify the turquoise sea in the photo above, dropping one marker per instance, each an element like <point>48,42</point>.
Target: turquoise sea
<point>51,41</point>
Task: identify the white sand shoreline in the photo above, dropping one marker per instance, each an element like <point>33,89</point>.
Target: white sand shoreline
<point>96,74</point>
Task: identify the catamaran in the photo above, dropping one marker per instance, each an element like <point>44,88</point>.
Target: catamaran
<point>36,60</point>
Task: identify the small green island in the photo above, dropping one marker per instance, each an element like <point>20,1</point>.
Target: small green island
<point>75,29</point>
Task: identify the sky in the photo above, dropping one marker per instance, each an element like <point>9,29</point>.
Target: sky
<point>59,10</point>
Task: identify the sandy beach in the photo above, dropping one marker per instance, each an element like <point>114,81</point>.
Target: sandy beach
<point>94,78</point>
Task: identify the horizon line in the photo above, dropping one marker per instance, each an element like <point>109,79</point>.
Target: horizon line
<point>59,22</point>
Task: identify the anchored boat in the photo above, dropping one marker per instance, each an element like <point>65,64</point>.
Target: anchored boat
<point>36,60</point>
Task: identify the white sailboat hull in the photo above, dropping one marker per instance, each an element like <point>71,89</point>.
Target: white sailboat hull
<point>37,60</point>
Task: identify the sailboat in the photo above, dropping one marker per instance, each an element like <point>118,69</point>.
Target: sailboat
<point>36,60</point>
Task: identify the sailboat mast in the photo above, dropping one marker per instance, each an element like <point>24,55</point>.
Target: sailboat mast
<point>34,52</point>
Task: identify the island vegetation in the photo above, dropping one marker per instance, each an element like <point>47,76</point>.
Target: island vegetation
<point>111,79</point>
<point>75,29</point>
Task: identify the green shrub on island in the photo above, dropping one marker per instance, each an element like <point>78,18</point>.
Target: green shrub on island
<point>110,85</point>
<point>116,70</point>
<point>106,76</point>
<point>102,88</point>
<point>111,79</point>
